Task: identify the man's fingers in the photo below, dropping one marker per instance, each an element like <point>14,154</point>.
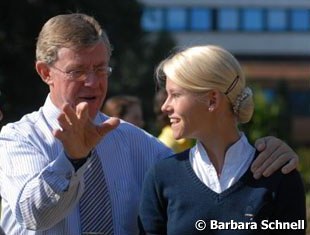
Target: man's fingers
<point>292,164</point>
<point>82,111</point>
<point>281,157</point>
<point>260,144</point>
<point>70,113</point>
<point>277,161</point>
<point>108,126</point>
<point>268,146</point>
<point>281,161</point>
<point>64,121</point>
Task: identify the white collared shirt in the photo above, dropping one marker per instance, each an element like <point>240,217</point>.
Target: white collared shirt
<point>237,160</point>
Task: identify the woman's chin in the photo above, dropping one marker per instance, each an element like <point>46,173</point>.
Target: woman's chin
<point>177,136</point>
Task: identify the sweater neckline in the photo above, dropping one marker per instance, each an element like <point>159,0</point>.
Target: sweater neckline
<point>244,178</point>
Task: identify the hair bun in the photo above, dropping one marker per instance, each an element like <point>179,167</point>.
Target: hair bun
<point>243,105</point>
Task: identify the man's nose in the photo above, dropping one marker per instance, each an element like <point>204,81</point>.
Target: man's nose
<point>91,78</point>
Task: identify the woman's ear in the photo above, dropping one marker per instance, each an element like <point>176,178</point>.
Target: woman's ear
<point>214,99</point>
<point>44,71</point>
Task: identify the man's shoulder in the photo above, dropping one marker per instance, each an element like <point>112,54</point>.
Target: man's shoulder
<point>29,123</point>
<point>139,140</point>
<point>132,131</point>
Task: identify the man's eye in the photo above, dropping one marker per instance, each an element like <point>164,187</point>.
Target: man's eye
<point>76,73</point>
<point>101,70</point>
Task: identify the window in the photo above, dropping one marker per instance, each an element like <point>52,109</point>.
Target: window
<point>228,19</point>
<point>276,20</point>
<point>252,19</point>
<point>200,19</point>
<point>176,19</point>
<point>152,19</point>
<point>300,20</point>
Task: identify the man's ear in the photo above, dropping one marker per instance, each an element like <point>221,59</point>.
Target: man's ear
<point>44,71</point>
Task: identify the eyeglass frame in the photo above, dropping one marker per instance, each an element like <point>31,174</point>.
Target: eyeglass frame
<point>83,73</point>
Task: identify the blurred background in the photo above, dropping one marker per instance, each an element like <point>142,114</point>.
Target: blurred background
<point>271,39</point>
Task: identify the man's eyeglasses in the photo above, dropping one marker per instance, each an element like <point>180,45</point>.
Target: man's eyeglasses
<point>81,75</point>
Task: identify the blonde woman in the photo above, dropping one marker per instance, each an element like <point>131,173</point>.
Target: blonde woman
<point>210,189</point>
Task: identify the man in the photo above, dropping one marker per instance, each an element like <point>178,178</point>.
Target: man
<point>50,174</point>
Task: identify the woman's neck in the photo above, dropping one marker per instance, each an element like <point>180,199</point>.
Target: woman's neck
<point>216,144</point>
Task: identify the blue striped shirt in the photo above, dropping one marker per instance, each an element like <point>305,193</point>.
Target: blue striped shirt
<point>40,189</point>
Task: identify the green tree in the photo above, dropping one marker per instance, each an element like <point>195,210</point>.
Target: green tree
<point>271,116</point>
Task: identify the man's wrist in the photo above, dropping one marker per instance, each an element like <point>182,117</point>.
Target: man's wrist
<point>77,163</point>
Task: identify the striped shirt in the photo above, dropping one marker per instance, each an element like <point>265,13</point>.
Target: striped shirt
<point>40,189</point>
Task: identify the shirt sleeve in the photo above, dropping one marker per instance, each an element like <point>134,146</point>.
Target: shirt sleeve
<point>152,213</point>
<point>40,190</point>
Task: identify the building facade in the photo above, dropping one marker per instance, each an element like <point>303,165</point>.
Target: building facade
<point>271,39</point>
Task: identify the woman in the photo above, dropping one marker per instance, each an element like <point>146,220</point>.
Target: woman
<point>209,189</point>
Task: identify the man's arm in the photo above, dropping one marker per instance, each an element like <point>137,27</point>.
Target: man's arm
<point>38,190</point>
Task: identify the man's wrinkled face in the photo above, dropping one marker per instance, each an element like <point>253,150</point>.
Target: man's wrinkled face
<point>80,76</point>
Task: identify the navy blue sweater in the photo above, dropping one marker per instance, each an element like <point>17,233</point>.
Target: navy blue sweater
<point>174,199</point>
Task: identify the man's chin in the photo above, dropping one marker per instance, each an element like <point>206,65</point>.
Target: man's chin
<point>92,114</point>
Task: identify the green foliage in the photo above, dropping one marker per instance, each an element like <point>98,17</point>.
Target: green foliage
<point>271,115</point>
<point>304,166</point>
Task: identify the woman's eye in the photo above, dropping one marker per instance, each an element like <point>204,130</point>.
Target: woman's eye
<point>175,95</point>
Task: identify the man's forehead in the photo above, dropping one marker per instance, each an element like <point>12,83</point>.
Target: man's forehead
<point>95,52</point>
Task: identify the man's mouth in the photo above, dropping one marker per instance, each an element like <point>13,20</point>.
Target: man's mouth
<point>88,98</point>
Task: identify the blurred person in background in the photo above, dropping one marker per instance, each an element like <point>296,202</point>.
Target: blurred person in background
<point>128,108</point>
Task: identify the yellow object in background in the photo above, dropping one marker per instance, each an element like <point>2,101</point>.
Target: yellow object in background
<point>166,136</point>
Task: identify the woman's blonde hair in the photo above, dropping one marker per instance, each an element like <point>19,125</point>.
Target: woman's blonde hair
<point>73,31</point>
<point>202,68</point>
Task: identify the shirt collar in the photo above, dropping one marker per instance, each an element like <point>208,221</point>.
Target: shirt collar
<point>236,153</point>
